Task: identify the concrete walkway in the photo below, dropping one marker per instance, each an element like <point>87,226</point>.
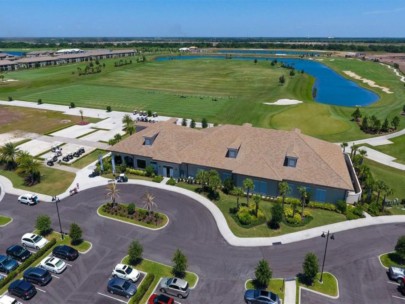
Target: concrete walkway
<point>76,141</point>
<point>290,291</point>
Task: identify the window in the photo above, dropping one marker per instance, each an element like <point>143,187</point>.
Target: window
<point>290,162</point>
<point>148,141</point>
<point>232,153</point>
<point>140,163</point>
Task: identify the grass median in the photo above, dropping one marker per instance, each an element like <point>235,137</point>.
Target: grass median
<point>4,220</point>
<point>329,286</point>
<point>391,259</point>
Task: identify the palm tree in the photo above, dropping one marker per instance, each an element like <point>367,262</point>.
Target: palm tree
<point>81,114</point>
<point>363,153</point>
<point>8,154</point>
<point>248,185</point>
<point>387,192</point>
<point>303,193</point>
<point>130,129</point>
<point>283,190</point>
<point>129,123</point>
<point>29,167</point>
<point>344,146</point>
<point>149,201</point>
<point>238,192</point>
<point>202,176</point>
<point>379,187</point>
<point>113,192</point>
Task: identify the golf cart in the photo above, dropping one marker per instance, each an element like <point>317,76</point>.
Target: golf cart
<point>122,178</point>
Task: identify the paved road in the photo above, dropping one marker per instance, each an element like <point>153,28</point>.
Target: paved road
<point>222,268</point>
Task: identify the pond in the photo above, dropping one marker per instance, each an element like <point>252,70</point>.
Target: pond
<point>270,52</point>
<point>331,88</point>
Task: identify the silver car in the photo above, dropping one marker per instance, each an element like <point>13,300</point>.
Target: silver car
<point>175,286</point>
<point>396,273</point>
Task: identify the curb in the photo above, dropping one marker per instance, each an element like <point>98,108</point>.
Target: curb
<point>1,226</point>
<point>320,293</point>
<point>90,248</point>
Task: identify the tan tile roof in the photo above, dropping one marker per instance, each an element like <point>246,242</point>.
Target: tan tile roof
<point>261,152</point>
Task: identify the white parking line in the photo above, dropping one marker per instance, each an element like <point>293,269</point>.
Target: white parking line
<point>55,276</point>
<point>175,302</point>
<point>41,290</point>
<point>70,265</point>
<point>398,298</point>
<point>395,283</point>
<point>119,300</point>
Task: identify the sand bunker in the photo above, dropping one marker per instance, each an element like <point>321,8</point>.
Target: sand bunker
<point>367,81</point>
<point>401,78</point>
<point>8,80</point>
<point>283,102</point>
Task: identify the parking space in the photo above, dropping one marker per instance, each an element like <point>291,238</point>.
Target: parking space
<point>176,299</point>
<point>36,147</point>
<point>69,149</point>
<point>393,289</point>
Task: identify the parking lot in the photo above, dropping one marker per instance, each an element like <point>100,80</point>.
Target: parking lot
<point>176,299</point>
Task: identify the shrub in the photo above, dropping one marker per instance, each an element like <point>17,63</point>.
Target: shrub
<point>228,185</point>
<point>204,123</point>
<point>180,264</point>
<point>10,98</point>
<point>324,206</point>
<point>171,182</point>
<point>43,224</point>
<point>263,274</point>
<point>276,216</point>
<point>135,251</point>
<point>136,299</point>
<point>108,109</point>
<point>131,208</point>
<point>400,247</point>
<point>358,210</point>
<point>149,113</point>
<point>40,101</point>
<point>75,234</point>
<point>244,218</point>
<point>150,171</point>
<point>296,219</point>
<point>310,267</point>
<point>373,209</point>
<point>341,206</point>
<point>135,172</point>
<point>157,179</point>
<point>72,105</point>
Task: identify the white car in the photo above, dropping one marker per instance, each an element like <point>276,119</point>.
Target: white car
<point>126,272</point>
<point>8,300</point>
<point>33,240</point>
<point>53,264</point>
<point>28,199</point>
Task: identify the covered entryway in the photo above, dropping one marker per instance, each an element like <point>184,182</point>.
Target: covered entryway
<point>167,171</point>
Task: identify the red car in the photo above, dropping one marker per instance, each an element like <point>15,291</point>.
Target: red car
<point>160,299</point>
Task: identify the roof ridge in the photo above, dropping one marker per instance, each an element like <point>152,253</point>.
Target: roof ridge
<point>308,145</point>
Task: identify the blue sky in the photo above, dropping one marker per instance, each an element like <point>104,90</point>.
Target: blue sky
<point>208,18</point>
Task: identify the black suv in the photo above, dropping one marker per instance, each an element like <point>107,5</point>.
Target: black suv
<point>18,252</point>
<point>65,252</point>
<point>38,276</point>
<point>22,289</point>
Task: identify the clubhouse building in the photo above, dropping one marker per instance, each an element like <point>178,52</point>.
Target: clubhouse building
<point>266,156</point>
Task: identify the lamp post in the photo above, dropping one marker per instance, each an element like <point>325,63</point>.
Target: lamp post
<point>57,200</point>
<point>332,237</point>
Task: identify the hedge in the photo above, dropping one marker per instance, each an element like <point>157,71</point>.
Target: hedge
<point>157,179</point>
<point>325,206</point>
<point>27,263</point>
<point>136,299</point>
<point>135,172</point>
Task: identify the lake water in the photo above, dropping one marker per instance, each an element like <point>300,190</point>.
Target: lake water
<point>14,53</point>
<point>331,87</point>
<point>270,52</point>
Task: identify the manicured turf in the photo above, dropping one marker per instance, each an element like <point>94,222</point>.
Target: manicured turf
<point>53,181</point>
<point>397,149</point>
<point>320,217</point>
<point>88,159</point>
<point>160,271</point>
<point>391,259</point>
<point>393,177</point>
<point>328,287</point>
<point>275,286</point>
<point>223,91</point>
<point>82,247</point>
<point>4,220</point>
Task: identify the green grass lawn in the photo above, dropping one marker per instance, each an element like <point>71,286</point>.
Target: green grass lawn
<point>397,149</point>
<point>160,271</point>
<point>393,177</point>
<point>391,259</point>
<point>223,91</point>
<point>88,159</point>
<point>328,287</point>
<point>4,220</point>
<point>53,181</point>
<point>320,217</point>
<point>82,247</point>
<point>275,286</point>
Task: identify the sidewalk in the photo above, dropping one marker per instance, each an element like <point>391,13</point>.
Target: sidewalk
<point>290,291</point>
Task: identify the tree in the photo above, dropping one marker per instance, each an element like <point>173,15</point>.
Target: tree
<point>238,192</point>
<point>255,61</point>
<point>113,192</point>
<point>72,105</point>
<point>128,123</point>
<point>257,199</point>
<point>29,167</point>
<point>283,190</point>
<point>364,124</point>
<point>2,77</point>
<point>356,114</point>
<point>131,129</point>
<point>108,109</point>
<point>304,195</point>
<point>344,145</point>
<point>43,224</point>
<point>214,180</point>
<point>400,247</point>
<point>395,122</point>
<point>81,114</point>
<point>263,274</point>
<point>403,108</point>
<point>204,123</point>
<point>135,251</point>
<point>385,125</point>
<point>75,234</point>
<point>149,201</point>
<point>202,176</point>
<point>276,216</point>
<point>292,73</point>
<point>379,187</point>
<point>8,154</point>
<point>281,79</point>
<point>310,267</point>
<point>184,122</point>
<point>228,185</point>
<point>248,186</point>
<point>387,191</point>
<point>179,264</point>
<point>192,124</point>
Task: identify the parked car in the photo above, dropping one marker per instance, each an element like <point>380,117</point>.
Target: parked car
<point>160,299</point>
<point>53,264</point>
<point>402,286</point>
<point>33,240</point>
<point>94,174</point>
<point>256,296</point>
<point>122,178</point>
<point>65,252</point>
<point>125,272</point>
<point>121,287</point>
<point>18,252</point>
<point>37,275</point>
<point>8,300</point>
<point>396,273</point>
<point>29,199</point>
<point>22,289</point>
<point>175,286</point>
<point>7,264</point>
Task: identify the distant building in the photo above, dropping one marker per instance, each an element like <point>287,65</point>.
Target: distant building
<point>237,152</point>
